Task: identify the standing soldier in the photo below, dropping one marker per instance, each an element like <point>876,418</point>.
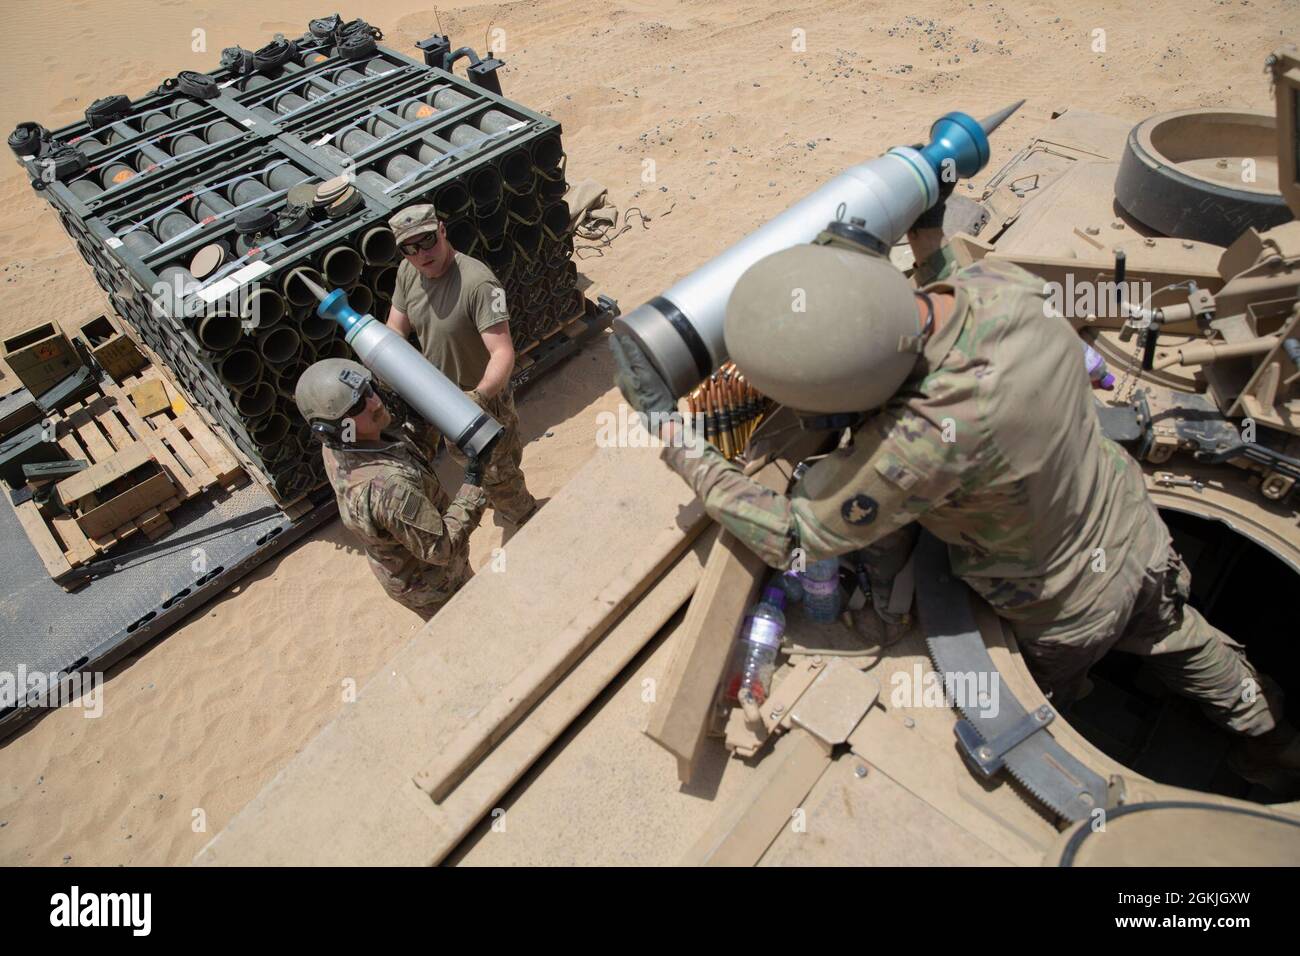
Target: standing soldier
<point>457,310</point>
<point>417,540</point>
<point>982,431</point>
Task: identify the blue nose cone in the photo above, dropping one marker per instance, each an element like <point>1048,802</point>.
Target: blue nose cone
<point>959,147</point>
<point>335,306</point>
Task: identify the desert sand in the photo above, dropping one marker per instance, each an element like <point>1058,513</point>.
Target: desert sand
<point>741,108</point>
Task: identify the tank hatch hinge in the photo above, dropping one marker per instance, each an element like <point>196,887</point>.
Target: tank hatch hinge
<point>996,730</point>
<point>1128,425</point>
<point>986,757</point>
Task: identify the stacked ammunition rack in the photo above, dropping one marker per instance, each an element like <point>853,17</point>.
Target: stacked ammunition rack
<point>152,192</point>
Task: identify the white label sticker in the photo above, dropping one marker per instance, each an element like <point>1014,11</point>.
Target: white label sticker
<point>233,281</point>
<point>114,243</point>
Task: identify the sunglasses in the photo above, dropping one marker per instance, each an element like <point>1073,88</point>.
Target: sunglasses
<point>356,410</point>
<point>420,245</point>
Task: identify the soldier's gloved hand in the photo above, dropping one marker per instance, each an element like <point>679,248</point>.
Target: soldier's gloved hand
<point>642,386</point>
<point>474,472</point>
<point>932,218</point>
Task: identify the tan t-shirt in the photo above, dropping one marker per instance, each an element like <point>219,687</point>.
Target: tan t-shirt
<point>449,313</point>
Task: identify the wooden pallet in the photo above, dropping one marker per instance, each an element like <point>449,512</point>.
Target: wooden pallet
<point>102,425</point>
<point>572,329</point>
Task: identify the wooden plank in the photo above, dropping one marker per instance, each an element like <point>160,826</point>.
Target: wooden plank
<point>119,511</point>
<point>102,409</point>
<point>193,463</point>
<point>146,433</point>
<point>89,434</point>
<point>222,464</point>
<point>105,471</point>
<point>746,826</point>
<point>484,787</point>
<point>495,720</point>
<point>76,547</point>
<point>47,549</point>
<point>730,583</point>
<point>348,797</point>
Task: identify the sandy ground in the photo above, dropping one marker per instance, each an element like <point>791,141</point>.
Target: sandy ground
<point>701,116</point>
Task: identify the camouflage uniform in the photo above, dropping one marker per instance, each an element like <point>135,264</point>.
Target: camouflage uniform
<point>416,539</point>
<point>503,481</point>
<point>994,446</point>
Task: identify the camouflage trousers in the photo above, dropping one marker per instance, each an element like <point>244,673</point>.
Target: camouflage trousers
<point>503,480</point>
<point>427,596</point>
<point>1143,611</point>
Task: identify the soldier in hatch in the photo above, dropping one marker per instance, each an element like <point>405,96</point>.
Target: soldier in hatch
<point>976,422</point>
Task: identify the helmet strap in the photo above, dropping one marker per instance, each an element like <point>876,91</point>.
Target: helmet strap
<point>928,325</point>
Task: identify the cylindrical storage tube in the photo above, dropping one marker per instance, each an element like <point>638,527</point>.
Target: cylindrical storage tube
<point>180,282</point>
<point>462,134</point>
<point>525,208</point>
<point>278,344</point>
<point>461,234</point>
<point>555,220</point>
<point>378,246</point>
<point>361,298</point>
<point>262,306</point>
<point>256,401</point>
<point>451,200</point>
<point>286,175</point>
<point>85,189</point>
<point>494,223</point>
<point>239,368</point>
<point>184,143</point>
<point>485,187</point>
<point>517,171</point>
<point>547,154</point>
<point>501,260</point>
<point>272,429</point>
<point>141,243</point>
<point>315,328</point>
<point>286,379</point>
<point>382,280</point>
<point>218,331</point>
<point>295,291</point>
<point>115,173</point>
<point>223,129</point>
<point>341,265</point>
<point>246,191</point>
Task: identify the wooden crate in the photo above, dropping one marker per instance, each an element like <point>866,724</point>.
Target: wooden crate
<point>101,426</point>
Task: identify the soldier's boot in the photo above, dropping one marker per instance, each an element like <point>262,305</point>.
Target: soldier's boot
<point>1271,760</point>
<point>877,631</point>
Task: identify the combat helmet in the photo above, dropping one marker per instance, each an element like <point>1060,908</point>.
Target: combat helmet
<point>824,328</point>
<point>328,390</point>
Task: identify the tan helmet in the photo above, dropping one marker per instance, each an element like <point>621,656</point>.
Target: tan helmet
<point>823,329</point>
<point>329,388</point>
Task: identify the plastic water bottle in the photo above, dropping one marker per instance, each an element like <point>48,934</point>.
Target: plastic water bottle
<point>792,586</point>
<point>760,640</point>
<point>1097,370</point>
<point>821,590</point>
